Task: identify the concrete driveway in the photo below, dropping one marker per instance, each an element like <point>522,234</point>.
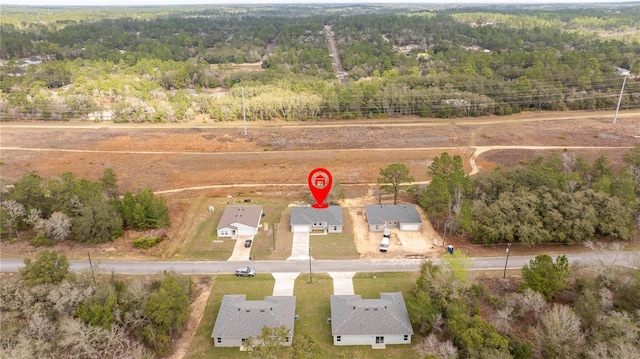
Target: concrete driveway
<point>284,283</point>
<point>300,247</point>
<point>240,253</point>
<point>342,282</point>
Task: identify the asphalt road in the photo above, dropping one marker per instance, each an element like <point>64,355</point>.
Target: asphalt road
<point>624,258</point>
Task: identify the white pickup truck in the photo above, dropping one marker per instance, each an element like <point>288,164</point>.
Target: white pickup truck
<point>386,237</point>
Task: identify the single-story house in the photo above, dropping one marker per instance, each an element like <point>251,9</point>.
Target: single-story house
<point>100,116</point>
<point>239,221</point>
<point>239,319</point>
<point>403,216</point>
<point>376,322</point>
<point>305,219</point>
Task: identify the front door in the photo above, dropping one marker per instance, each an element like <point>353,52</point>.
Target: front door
<point>379,340</point>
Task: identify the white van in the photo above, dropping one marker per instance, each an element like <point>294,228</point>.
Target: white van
<point>384,244</point>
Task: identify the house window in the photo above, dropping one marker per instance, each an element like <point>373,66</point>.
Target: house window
<point>287,339</point>
<point>335,228</point>
<point>219,340</point>
<point>406,337</point>
<point>338,338</point>
<point>379,340</point>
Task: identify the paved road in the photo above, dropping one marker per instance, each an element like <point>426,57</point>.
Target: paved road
<point>631,259</point>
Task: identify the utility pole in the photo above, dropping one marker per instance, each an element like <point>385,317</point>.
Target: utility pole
<point>615,117</point>
<point>91,265</point>
<point>310,275</point>
<point>273,231</point>
<point>244,113</point>
<point>504,275</point>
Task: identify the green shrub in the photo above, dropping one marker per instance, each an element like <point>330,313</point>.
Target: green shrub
<point>146,242</point>
<point>495,301</point>
<point>43,241</point>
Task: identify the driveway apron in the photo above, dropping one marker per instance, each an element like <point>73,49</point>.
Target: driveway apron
<point>342,282</point>
<point>300,247</point>
<point>284,283</point>
<point>240,253</point>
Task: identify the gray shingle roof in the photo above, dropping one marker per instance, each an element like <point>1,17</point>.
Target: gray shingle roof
<point>308,215</point>
<point>352,315</point>
<point>243,318</point>
<point>377,214</point>
<point>247,215</point>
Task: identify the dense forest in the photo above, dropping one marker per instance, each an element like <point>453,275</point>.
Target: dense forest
<point>554,311</point>
<point>51,313</point>
<point>53,210</point>
<point>172,64</point>
<point>559,199</point>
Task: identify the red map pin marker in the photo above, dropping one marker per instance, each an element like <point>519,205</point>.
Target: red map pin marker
<point>320,184</point>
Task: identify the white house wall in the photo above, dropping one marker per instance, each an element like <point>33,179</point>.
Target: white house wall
<point>226,232</point>
<point>334,229</point>
<point>370,339</point>
<point>228,342</point>
<point>245,230</point>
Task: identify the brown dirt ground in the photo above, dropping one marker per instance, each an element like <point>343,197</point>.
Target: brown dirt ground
<point>189,160</point>
<point>193,160</point>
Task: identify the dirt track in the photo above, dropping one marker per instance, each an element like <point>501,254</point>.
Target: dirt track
<point>188,160</point>
<point>212,159</point>
<point>168,157</point>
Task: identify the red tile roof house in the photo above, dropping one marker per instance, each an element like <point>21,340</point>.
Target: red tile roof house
<point>239,221</point>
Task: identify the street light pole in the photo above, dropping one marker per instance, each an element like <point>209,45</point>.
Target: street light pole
<point>504,275</point>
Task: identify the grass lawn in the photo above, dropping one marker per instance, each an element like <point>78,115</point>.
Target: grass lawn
<point>204,244</point>
<point>313,305</point>
<point>324,246</point>
<point>370,285</point>
<point>283,236</point>
<point>265,242</point>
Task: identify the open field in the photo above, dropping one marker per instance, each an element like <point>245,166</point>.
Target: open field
<point>194,164</point>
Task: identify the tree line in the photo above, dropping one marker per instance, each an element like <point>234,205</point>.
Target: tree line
<point>65,207</point>
<point>434,63</point>
<point>552,311</point>
<point>558,199</point>
<point>51,313</point>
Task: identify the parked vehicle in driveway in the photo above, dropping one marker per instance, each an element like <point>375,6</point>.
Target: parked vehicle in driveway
<point>245,272</point>
<point>384,244</point>
<point>386,238</point>
<point>247,243</point>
